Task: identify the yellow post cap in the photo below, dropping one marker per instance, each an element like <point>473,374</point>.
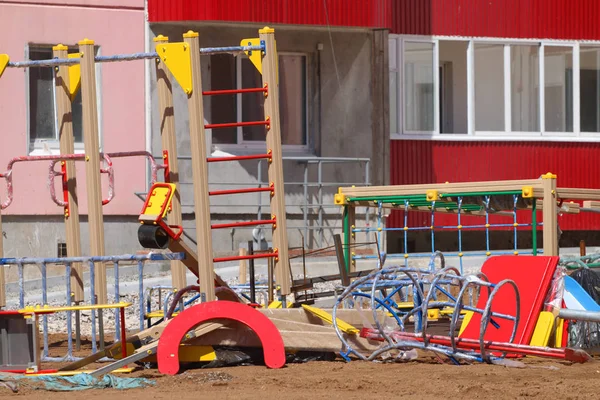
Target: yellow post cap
<point>161,38</point>
<point>266,29</point>
<point>190,34</point>
<point>549,175</point>
<point>59,47</point>
<point>85,41</point>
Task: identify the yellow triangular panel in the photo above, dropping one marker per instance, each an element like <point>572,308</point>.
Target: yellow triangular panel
<point>327,317</point>
<point>4,59</point>
<point>176,57</point>
<point>255,56</point>
<point>74,76</point>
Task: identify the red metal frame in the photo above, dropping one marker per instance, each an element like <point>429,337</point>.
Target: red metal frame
<point>240,191</point>
<point>65,188</point>
<point>240,158</point>
<point>237,124</point>
<point>168,228</point>
<point>244,223</point>
<point>233,91</point>
<point>247,257</point>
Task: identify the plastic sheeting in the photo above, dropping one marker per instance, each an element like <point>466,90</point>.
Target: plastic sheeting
<point>76,382</point>
<point>583,334</point>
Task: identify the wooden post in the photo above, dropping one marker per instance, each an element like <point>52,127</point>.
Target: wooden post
<point>243,278</point>
<point>67,146</point>
<point>92,164</point>
<point>169,145</point>
<point>351,237</point>
<point>2,272</point>
<point>200,171</point>
<point>275,168</point>
<point>549,214</point>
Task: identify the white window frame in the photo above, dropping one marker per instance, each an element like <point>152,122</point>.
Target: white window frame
<point>508,134</point>
<point>254,145</point>
<point>53,145</point>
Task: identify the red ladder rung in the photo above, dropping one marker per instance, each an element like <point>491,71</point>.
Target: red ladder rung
<point>234,91</point>
<point>238,158</point>
<point>239,191</point>
<point>243,223</point>
<point>235,124</point>
<point>247,257</point>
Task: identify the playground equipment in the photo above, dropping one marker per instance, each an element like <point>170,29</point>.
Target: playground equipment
<point>484,206</point>
<point>154,232</point>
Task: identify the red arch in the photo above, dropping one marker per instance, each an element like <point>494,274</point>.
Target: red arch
<point>267,332</point>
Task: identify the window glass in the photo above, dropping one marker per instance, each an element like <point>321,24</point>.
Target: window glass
<point>489,87</point>
<point>589,92</point>
<point>292,99</point>
<point>223,108</point>
<point>418,86</point>
<point>558,89</point>
<point>524,81</point>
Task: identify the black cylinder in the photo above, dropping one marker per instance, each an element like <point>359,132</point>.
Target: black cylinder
<point>153,237</point>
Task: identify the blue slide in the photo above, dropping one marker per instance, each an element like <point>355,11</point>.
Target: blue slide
<point>578,299</point>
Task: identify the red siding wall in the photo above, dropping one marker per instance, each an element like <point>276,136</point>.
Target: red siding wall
<point>422,161</point>
<point>544,19</point>
<point>351,13</point>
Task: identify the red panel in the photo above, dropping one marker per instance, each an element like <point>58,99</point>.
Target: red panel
<point>543,19</point>
<point>351,13</point>
<point>532,276</point>
<point>423,161</point>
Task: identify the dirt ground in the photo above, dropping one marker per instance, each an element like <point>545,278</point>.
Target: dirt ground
<point>422,379</point>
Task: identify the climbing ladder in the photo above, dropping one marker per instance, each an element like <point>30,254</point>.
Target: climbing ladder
<point>184,65</point>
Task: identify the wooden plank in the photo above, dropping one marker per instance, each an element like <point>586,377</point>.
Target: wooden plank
<point>92,165</point>
<point>67,146</point>
<point>191,259</point>
<point>200,172</point>
<point>243,274</point>
<point>578,194</point>
<point>169,144</point>
<point>591,204</point>
<point>351,316</point>
<point>445,188</point>
<point>275,167</point>
<point>550,216</point>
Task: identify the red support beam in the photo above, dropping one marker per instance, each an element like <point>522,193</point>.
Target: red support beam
<point>239,191</point>
<point>236,124</point>
<point>243,223</point>
<point>239,158</point>
<point>246,257</point>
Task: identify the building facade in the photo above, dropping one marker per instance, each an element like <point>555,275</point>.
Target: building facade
<point>494,90</point>
<point>33,224</point>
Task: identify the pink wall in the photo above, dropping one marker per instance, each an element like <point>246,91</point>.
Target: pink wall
<point>117,27</point>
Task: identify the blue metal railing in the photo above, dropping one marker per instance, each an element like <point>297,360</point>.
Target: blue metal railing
<point>42,263</point>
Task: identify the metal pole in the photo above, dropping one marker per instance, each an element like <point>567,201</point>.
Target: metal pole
<point>252,277</point>
<point>367,183</point>
<point>45,302</point>
<point>270,278</point>
<point>320,194</point>
<point>117,299</point>
<point>306,201</point>
<point>259,178</point>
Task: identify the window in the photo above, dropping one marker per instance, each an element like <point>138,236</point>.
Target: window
<point>489,87</point>
<point>493,88</point>
<point>43,122</point>
<point>589,92</point>
<point>239,73</point>
<point>419,86</point>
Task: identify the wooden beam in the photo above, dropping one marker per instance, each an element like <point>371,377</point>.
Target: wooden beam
<point>92,165</point>
<point>191,259</point>
<point>275,167</point>
<point>64,115</point>
<point>200,171</point>
<point>550,215</point>
<point>442,188</point>
<point>243,271</point>
<point>578,194</point>
<point>169,145</point>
